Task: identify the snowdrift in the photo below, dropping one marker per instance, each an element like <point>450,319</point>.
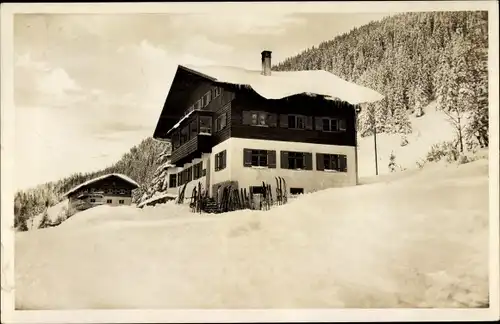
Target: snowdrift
<point>419,240</point>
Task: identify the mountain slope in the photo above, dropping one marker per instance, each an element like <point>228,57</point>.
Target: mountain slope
<point>413,59</point>
<point>406,245</point>
<point>139,164</point>
<point>430,129</point>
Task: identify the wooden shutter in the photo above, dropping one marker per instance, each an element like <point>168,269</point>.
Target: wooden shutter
<point>320,162</point>
<point>217,162</point>
<point>343,163</point>
<point>271,159</point>
<point>309,122</point>
<point>318,121</point>
<point>284,121</point>
<point>247,118</point>
<point>342,124</point>
<point>284,160</point>
<point>224,159</point>
<point>308,161</point>
<point>272,120</point>
<point>247,157</point>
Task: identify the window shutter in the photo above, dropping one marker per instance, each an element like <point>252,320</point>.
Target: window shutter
<point>342,124</point>
<point>271,159</point>
<point>284,121</point>
<point>247,118</point>
<point>318,122</point>
<point>247,157</point>
<point>309,122</point>
<point>224,159</point>
<point>284,159</point>
<point>320,162</point>
<point>217,163</point>
<point>272,120</point>
<point>308,161</point>
<point>343,163</point>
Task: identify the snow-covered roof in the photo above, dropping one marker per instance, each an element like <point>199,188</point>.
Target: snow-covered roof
<point>154,198</point>
<point>86,183</point>
<point>281,84</point>
<point>180,121</point>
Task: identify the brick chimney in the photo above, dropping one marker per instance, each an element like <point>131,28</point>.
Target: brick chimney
<point>266,63</point>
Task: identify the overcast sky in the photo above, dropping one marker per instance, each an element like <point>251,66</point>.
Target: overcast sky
<point>89,87</point>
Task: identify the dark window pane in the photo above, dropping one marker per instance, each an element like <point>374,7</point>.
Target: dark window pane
<point>334,125</point>
<point>301,123</point>
<point>326,159</point>
<point>326,125</point>
<point>291,121</point>
<point>254,118</point>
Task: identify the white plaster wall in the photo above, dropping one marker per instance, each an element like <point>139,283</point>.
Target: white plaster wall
<point>224,174</point>
<point>310,180</point>
<point>193,183</point>
<point>115,199</point>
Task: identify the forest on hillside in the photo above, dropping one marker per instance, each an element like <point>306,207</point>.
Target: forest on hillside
<point>139,164</point>
<point>413,59</point>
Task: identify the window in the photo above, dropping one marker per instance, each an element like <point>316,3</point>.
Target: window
<point>259,158</point>
<point>205,125</point>
<point>220,161</point>
<point>259,118</point>
<point>257,190</point>
<point>109,201</point>
<point>216,92</point>
<point>296,122</point>
<point>296,191</point>
<point>198,104</point>
<point>189,174</point>
<point>109,191</point>
<point>123,191</point>
<point>184,134</point>
<point>180,178</point>
<point>296,160</point>
<point>334,162</point>
<point>92,200</point>
<point>121,201</point>
<point>197,171</point>
<point>172,181</point>
<point>207,98</point>
<point>204,172</point>
<point>176,139</point>
<point>220,122</point>
<point>193,127</point>
<point>333,124</point>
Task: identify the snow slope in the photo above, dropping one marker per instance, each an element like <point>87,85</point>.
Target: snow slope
<point>429,129</point>
<point>400,242</point>
<point>54,213</point>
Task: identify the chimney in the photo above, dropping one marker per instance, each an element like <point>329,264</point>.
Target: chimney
<point>266,63</point>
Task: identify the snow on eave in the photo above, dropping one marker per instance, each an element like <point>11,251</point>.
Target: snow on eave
<point>282,84</point>
<point>86,183</point>
<point>154,198</point>
<point>180,121</point>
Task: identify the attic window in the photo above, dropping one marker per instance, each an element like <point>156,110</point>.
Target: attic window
<point>207,98</point>
<point>216,92</point>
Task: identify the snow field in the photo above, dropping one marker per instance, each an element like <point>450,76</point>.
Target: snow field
<point>418,239</point>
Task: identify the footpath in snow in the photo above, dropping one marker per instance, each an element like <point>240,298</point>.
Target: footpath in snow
<point>416,240</point>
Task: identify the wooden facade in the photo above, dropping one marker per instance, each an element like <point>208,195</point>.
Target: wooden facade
<point>111,190</point>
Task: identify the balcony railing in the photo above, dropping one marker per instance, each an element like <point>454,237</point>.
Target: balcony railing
<point>191,149</point>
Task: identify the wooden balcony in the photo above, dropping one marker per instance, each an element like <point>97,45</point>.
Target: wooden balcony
<point>192,149</point>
